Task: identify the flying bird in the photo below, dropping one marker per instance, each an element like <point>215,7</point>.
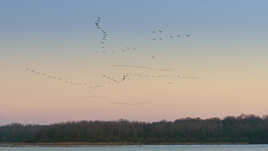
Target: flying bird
<point>188,35</point>
<point>124,77</point>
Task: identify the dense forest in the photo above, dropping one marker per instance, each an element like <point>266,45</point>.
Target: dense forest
<point>242,129</point>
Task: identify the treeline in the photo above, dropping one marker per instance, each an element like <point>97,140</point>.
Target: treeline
<point>242,129</point>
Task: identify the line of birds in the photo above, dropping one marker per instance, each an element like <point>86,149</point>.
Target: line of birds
<point>126,50</point>
<point>70,82</point>
<point>140,67</point>
<point>158,35</point>
<point>179,76</point>
<point>105,35</point>
<point>124,77</point>
<point>75,83</point>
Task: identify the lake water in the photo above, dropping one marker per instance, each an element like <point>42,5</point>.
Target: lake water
<point>145,148</point>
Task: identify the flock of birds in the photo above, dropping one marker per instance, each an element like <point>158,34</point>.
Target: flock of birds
<point>158,35</point>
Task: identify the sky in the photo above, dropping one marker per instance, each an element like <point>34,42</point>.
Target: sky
<point>54,66</point>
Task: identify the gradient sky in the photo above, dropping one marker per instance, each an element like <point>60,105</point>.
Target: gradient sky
<point>227,50</point>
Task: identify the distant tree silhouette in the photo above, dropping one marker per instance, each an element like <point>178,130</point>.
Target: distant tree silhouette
<point>241,129</point>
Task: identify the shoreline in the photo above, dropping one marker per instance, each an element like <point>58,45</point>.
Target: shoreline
<point>71,144</point>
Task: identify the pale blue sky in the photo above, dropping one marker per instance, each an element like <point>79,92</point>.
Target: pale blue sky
<point>211,21</point>
<point>227,49</point>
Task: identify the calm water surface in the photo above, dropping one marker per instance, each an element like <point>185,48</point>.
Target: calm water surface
<point>145,148</point>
